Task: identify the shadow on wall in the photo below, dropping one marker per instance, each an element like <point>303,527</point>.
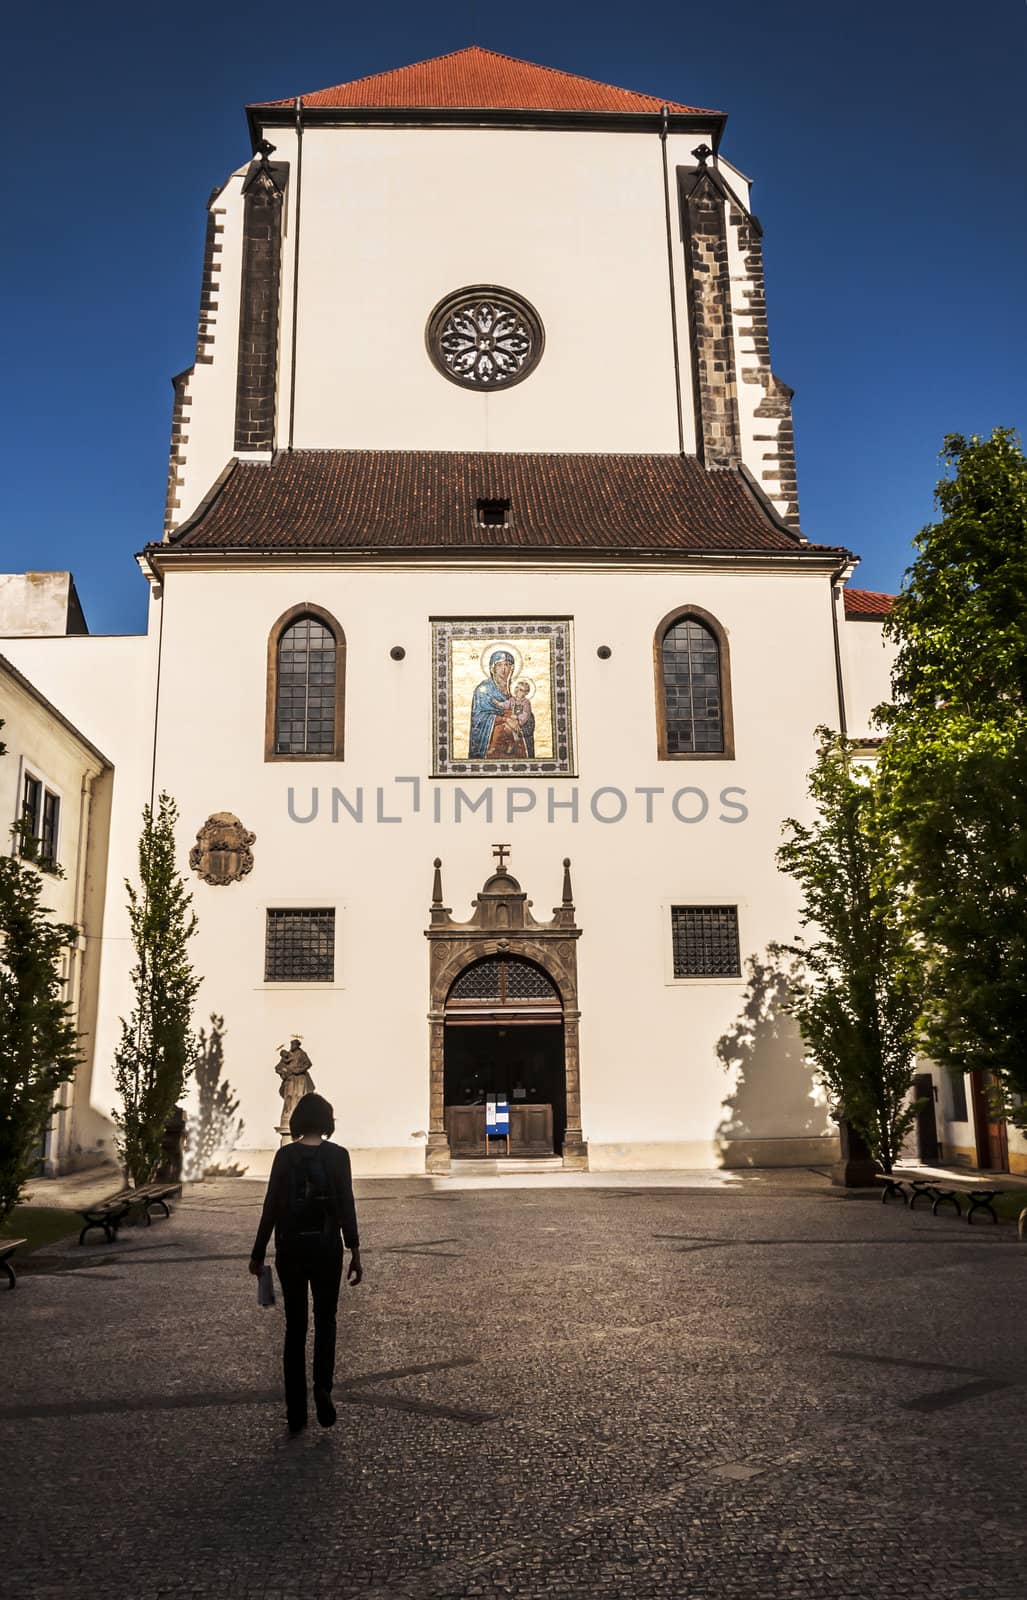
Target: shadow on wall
<point>214,1130</point>
<point>775,1095</point>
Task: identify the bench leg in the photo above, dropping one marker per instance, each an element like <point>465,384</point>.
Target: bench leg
<point>950,1199</point>
<point>982,1205</point>
<point>891,1189</point>
<point>164,1203</point>
<point>12,1281</point>
<point>918,1194</point>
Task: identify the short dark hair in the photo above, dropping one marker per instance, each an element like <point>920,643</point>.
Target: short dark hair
<point>312,1114</point>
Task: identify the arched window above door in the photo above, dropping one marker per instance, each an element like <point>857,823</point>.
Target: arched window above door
<point>306,673</point>
<point>503,980</point>
<point>693,688</point>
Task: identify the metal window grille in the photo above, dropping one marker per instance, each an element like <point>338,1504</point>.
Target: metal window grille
<point>503,978</point>
<point>305,702</point>
<point>691,689</point>
<point>705,941</point>
<point>526,982</point>
<point>300,947</point>
<point>483,981</point>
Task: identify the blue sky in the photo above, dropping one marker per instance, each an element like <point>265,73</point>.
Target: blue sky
<point>887,143</point>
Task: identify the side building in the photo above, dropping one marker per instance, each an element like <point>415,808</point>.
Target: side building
<point>56,783</point>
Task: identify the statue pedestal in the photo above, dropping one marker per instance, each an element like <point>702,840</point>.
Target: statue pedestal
<point>857,1168</point>
<point>284,1135</point>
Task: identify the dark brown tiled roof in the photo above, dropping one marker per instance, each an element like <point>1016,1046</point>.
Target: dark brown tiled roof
<point>427,499</point>
<point>482,80</point>
<point>868,604</point>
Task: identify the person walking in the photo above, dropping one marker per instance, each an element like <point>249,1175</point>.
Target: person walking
<point>309,1200</point>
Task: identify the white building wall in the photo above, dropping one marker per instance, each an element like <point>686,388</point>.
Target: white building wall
<point>394,219</point>
<point>867,660</point>
<point>39,743</point>
<point>653,1086</point>
<point>105,686</point>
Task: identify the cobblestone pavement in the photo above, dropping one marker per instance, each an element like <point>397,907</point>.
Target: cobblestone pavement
<point>562,1392</point>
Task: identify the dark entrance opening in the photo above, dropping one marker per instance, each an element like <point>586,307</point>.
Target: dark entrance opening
<point>504,1036</point>
<point>927,1147</point>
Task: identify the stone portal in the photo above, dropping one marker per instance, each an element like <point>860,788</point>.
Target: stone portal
<point>504,1019</point>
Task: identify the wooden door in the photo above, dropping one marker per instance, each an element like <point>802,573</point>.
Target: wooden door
<point>989,1131</point>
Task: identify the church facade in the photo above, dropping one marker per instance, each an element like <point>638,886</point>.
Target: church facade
<point>486,650</point>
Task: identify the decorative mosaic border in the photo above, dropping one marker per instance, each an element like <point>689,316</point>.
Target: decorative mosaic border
<point>558,632</point>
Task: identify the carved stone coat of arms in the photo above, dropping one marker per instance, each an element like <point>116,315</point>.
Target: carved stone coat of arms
<point>222,851</point>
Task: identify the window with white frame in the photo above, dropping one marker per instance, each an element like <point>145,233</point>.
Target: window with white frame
<point>41,821</point>
<point>705,941</point>
<point>300,946</point>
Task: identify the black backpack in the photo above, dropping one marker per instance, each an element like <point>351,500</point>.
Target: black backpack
<point>310,1195</point>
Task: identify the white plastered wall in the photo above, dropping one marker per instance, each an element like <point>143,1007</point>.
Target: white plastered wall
<point>392,220</point>
<point>867,659</point>
<point>653,1086</point>
<point>104,685</point>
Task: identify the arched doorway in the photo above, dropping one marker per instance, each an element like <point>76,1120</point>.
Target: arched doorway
<point>504,1036</point>
<point>504,1004</point>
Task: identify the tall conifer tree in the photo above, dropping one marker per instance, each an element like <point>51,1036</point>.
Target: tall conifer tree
<point>157,1049</point>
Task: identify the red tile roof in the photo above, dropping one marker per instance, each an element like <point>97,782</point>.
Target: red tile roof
<point>868,604</point>
<point>358,500</point>
<point>483,80</point>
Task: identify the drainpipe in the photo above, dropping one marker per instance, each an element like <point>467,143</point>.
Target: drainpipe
<point>296,265</point>
<point>836,601</point>
<point>664,113</point>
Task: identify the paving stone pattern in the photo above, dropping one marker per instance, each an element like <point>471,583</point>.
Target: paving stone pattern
<point>555,1392</point>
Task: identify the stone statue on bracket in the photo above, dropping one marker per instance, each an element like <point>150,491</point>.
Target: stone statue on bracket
<point>293,1068</point>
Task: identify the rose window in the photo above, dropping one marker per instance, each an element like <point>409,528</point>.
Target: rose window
<point>485,338</point>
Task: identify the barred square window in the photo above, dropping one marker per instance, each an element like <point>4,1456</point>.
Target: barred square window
<point>300,947</point>
<point>705,941</point>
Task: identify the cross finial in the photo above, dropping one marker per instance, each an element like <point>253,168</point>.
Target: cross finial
<point>702,154</point>
<point>501,851</point>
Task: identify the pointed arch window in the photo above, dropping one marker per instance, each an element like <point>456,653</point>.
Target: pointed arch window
<point>306,672</point>
<point>693,688</point>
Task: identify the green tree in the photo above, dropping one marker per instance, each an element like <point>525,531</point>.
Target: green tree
<point>38,1042</point>
<point>857,991</point>
<point>157,1049</point>
<point>955,761</point>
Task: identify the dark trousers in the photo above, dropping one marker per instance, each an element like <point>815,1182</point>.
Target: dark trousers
<point>314,1261</point>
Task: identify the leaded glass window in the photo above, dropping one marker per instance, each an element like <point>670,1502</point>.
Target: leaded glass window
<point>300,946</point>
<point>690,661</point>
<point>306,690</point>
<point>705,941</point>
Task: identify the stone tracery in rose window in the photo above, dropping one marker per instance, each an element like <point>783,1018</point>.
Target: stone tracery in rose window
<point>485,338</point>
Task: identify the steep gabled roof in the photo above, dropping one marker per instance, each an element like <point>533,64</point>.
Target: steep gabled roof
<point>440,502</point>
<point>477,79</point>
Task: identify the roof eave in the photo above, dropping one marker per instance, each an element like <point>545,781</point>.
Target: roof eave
<point>163,556</point>
<point>264,116</point>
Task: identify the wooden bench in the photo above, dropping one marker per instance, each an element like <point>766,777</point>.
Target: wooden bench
<point>7,1249</point>
<point>912,1189</point>
<point>110,1214</point>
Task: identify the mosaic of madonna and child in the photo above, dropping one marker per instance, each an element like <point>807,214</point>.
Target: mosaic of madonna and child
<point>502,697</point>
